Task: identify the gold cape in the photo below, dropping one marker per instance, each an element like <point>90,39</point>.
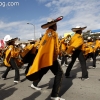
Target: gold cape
<point>8,56</point>
<point>44,57</point>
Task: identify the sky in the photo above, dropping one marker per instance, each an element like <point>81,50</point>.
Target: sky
<point>15,14</point>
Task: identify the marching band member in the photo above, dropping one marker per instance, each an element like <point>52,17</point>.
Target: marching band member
<point>29,53</point>
<point>59,44</point>
<point>84,48</point>
<point>46,59</point>
<point>64,45</point>
<point>91,50</point>
<point>74,49</point>
<point>11,54</point>
<point>97,46</point>
<point>26,56</point>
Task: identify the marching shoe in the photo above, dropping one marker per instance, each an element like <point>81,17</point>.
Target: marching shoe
<point>16,82</point>
<point>34,87</point>
<point>83,79</point>
<point>3,78</point>
<point>57,98</point>
<point>94,67</point>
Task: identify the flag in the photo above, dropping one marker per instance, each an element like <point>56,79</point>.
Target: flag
<point>1,44</point>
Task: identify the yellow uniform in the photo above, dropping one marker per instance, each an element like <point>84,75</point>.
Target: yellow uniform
<point>26,50</point>
<point>75,42</point>
<point>11,52</point>
<point>97,45</point>
<point>47,52</point>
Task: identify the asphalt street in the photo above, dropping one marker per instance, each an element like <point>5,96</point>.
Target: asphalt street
<point>72,88</point>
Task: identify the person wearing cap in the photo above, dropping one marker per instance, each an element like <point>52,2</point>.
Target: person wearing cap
<point>75,51</point>
<point>11,55</point>
<point>46,59</point>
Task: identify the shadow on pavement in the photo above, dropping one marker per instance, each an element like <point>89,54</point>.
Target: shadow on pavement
<point>33,96</point>
<point>6,92</point>
<point>67,82</point>
<point>1,85</point>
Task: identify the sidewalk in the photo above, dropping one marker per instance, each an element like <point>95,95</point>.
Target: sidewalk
<point>72,88</point>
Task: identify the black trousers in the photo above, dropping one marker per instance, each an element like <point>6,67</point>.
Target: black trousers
<point>97,52</point>
<point>64,59</point>
<point>30,61</point>
<point>15,67</point>
<point>93,56</point>
<point>78,54</point>
<point>58,72</point>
